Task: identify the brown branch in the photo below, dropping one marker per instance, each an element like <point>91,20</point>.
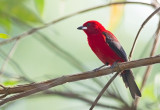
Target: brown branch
<point>147,19</point>
<point>103,90</point>
<point>154,47</point>
<point>30,89</point>
<point>33,30</point>
<point>85,75</point>
<point>148,70</point>
<point>156,4</point>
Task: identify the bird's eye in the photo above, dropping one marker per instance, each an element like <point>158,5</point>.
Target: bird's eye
<point>88,24</point>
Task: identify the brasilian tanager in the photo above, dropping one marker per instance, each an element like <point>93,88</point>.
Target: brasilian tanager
<point>108,49</point>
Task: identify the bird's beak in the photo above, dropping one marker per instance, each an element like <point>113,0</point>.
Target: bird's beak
<point>82,28</point>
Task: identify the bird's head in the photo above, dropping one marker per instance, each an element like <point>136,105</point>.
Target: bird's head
<point>91,27</point>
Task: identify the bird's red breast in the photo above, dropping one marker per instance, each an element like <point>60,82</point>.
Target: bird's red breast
<point>103,43</point>
<point>102,50</point>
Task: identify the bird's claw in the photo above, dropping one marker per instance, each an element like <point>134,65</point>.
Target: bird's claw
<point>96,69</point>
<point>114,65</point>
<point>99,68</point>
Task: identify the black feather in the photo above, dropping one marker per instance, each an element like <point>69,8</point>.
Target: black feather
<point>116,46</point>
<point>128,79</point>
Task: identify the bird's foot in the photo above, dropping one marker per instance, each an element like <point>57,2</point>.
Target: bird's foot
<point>114,65</point>
<point>100,67</point>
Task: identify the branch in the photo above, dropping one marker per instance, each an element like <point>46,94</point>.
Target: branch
<point>33,30</point>
<point>8,57</point>
<point>148,70</point>
<point>103,90</point>
<point>30,89</point>
<point>154,47</point>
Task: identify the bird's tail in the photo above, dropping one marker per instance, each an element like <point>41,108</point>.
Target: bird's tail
<point>128,79</point>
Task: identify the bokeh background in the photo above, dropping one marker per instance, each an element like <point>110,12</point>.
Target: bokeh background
<point>61,49</point>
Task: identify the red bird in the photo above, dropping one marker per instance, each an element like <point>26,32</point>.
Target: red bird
<point>108,49</point>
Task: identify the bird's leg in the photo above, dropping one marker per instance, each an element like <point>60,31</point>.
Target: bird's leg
<point>100,67</point>
<point>114,65</point>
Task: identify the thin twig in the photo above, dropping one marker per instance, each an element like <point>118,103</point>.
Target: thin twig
<point>60,52</point>
<point>33,30</point>
<point>103,90</point>
<point>79,97</point>
<point>38,87</point>
<point>154,47</point>
<point>8,57</point>
<point>119,98</point>
<point>147,19</point>
<point>148,70</point>
<point>156,4</point>
<point>14,64</point>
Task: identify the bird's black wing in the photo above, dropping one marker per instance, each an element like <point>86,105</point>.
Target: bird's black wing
<point>116,46</point>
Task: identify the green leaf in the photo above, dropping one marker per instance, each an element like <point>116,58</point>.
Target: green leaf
<point>5,23</point>
<point>40,5</point>
<point>10,83</point>
<point>8,4</point>
<point>25,14</point>
<point>149,92</point>
<point>4,36</point>
<point>19,11</point>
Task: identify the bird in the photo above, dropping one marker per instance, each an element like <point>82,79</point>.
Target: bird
<point>109,50</point>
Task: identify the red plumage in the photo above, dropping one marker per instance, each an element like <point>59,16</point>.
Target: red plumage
<point>108,49</point>
<point>102,50</point>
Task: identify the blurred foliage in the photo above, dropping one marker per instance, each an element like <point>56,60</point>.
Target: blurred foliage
<point>11,9</point>
<point>60,49</point>
<point>40,5</point>
<point>10,83</point>
<point>4,36</point>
